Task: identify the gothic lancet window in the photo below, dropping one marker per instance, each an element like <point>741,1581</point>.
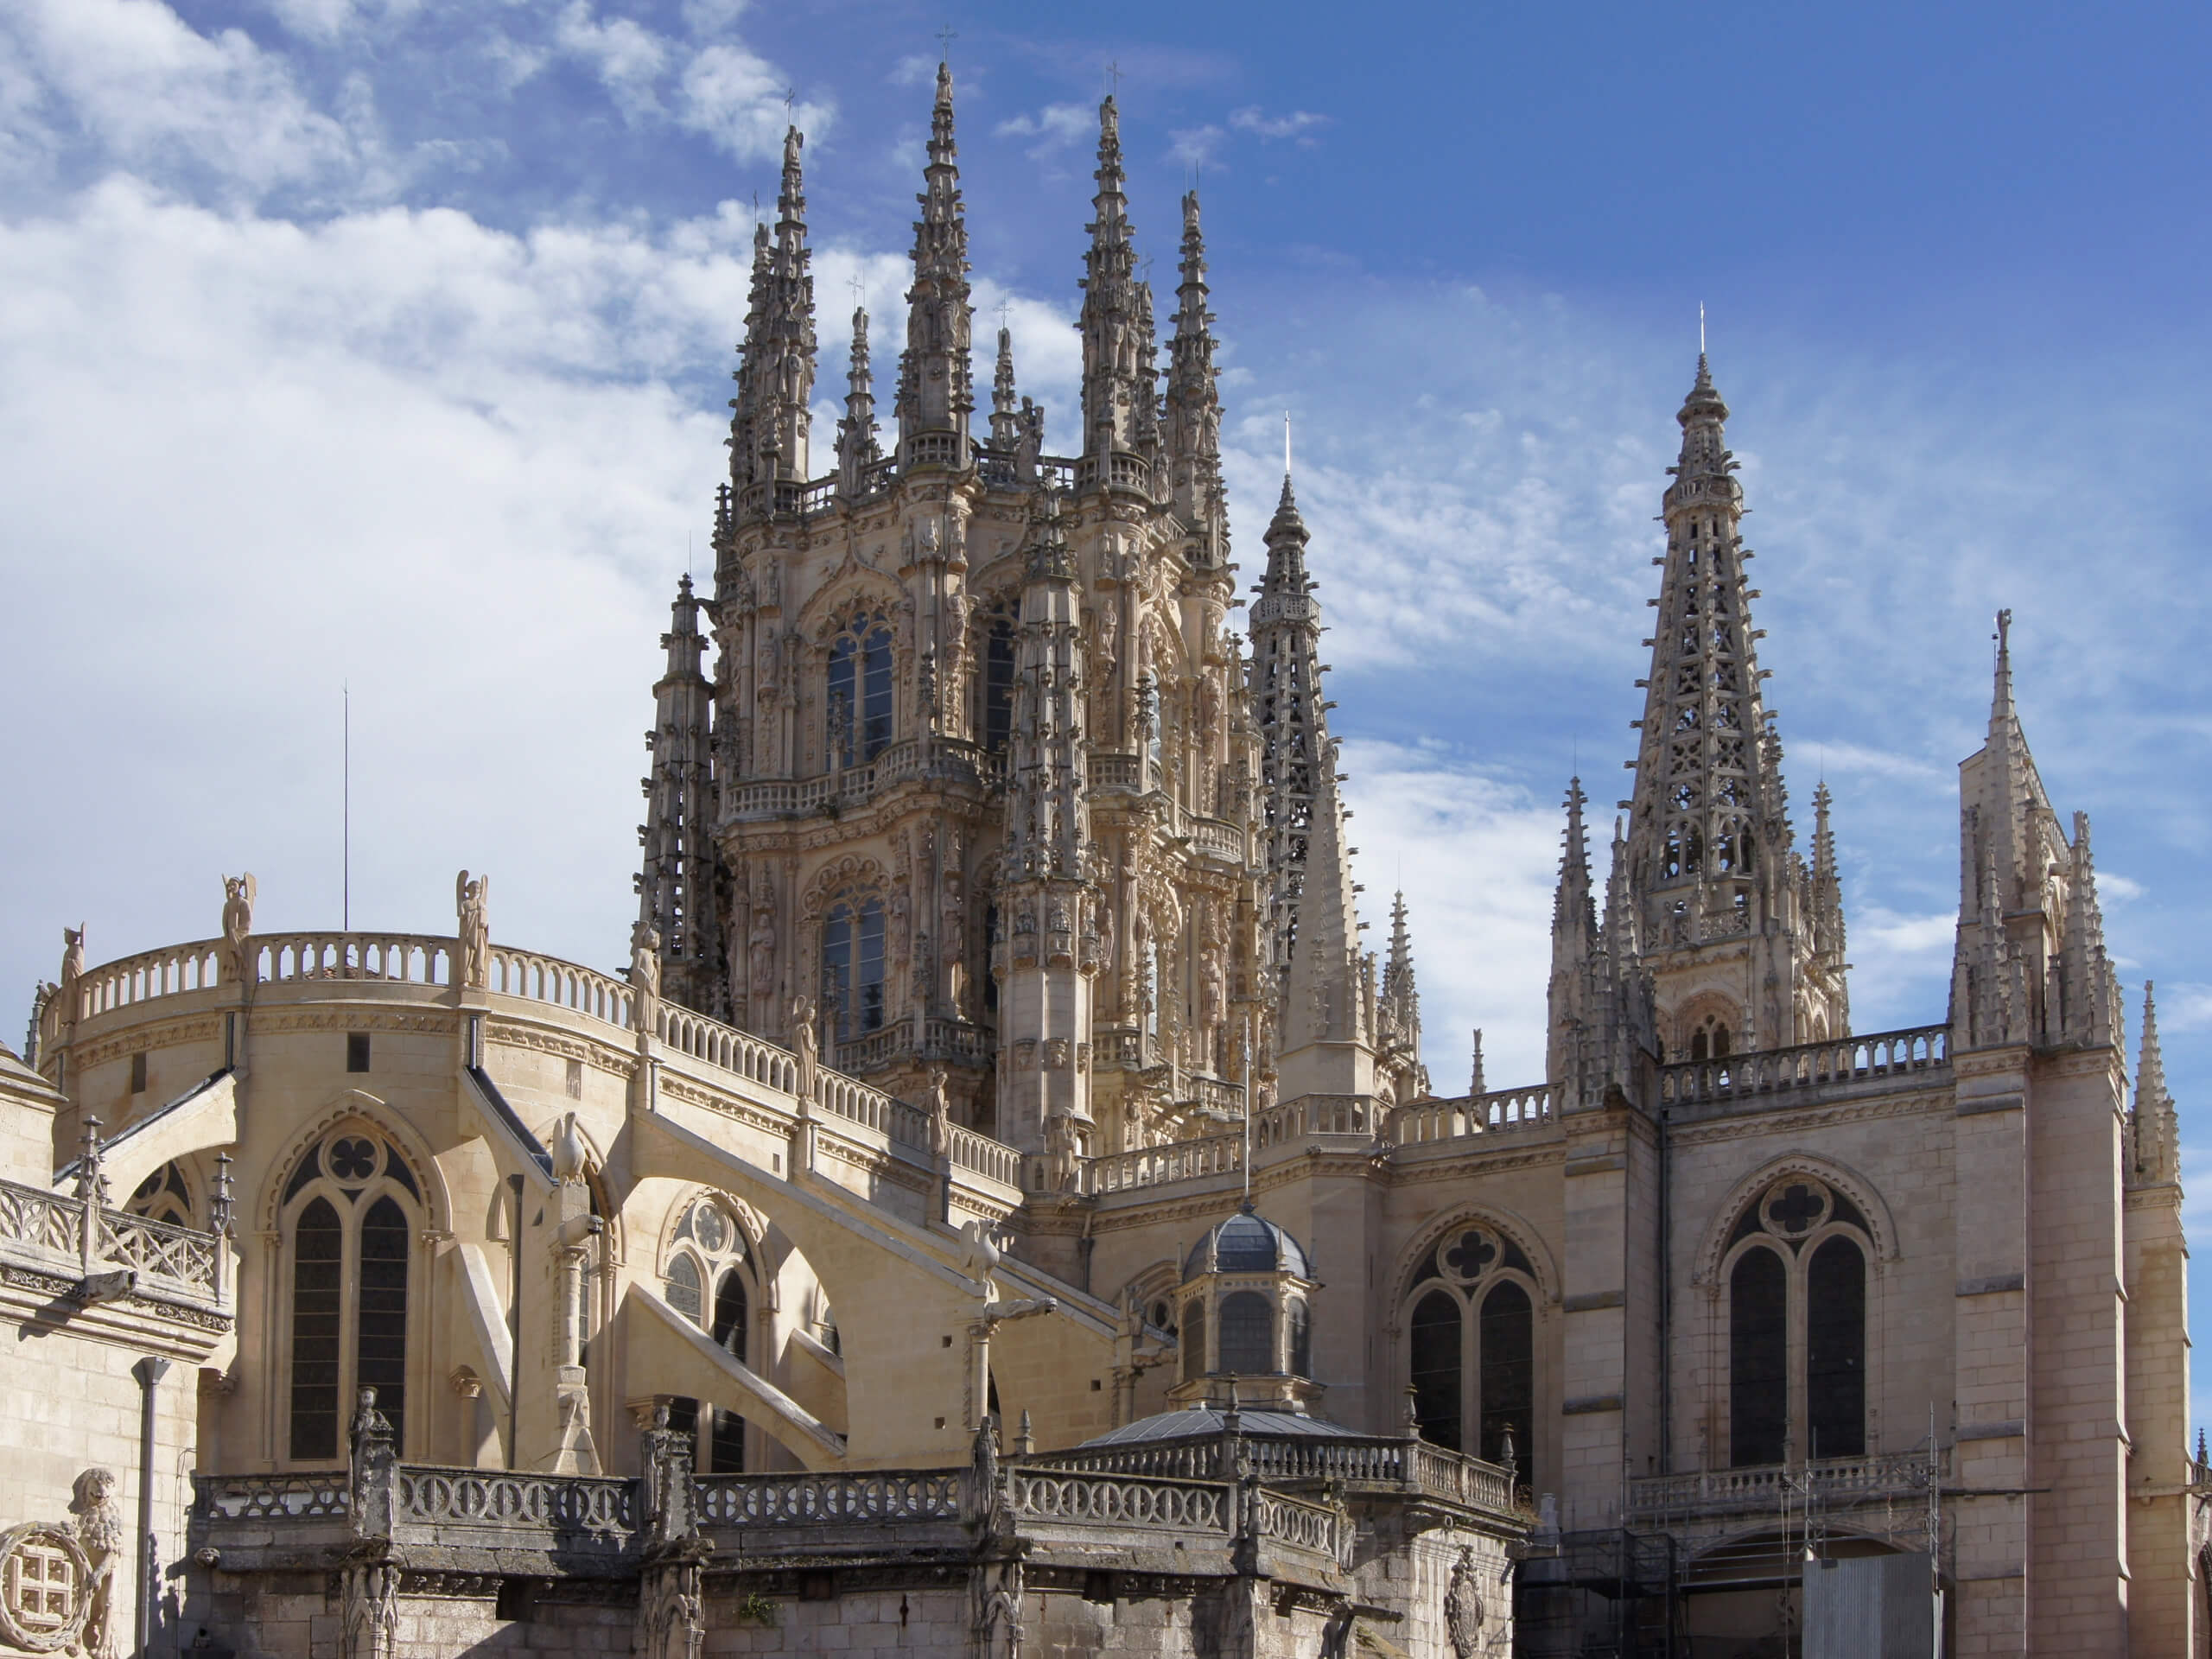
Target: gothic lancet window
<point>708,1276</point>
<point>860,690</point>
<point>350,1214</point>
<point>1802,1268</point>
<point>1472,1353</point>
<point>1248,1334</point>
<point>852,966</point>
<point>1759,1358</point>
<point>997,724</point>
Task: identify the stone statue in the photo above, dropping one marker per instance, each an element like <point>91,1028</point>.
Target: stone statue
<point>808,1047</point>
<point>472,899</point>
<point>72,956</point>
<point>940,1113</point>
<point>1062,1152</point>
<point>953,931</point>
<point>238,894</point>
<point>99,1528</point>
<point>761,944</point>
<point>644,973</point>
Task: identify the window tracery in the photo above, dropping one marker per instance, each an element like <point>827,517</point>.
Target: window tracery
<point>163,1196</point>
<point>859,689</point>
<point>350,1215</point>
<point>853,964</point>
<point>1797,1345</point>
<point>1471,1345</point>
<point>707,1277</point>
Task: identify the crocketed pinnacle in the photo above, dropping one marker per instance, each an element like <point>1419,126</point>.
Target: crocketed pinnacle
<point>1285,685</point>
<point>857,448</point>
<point>2157,1127</point>
<point>1006,403</point>
<point>1193,441</point>
<point>784,356</point>
<point>1573,903</point>
<point>744,447</point>
<point>936,378</point>
<point>1113,323</point>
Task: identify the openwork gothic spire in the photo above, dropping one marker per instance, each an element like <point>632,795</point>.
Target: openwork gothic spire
<point>782,350</point>
<point>1116,320</point>
<point>1285,685</point>
<point>678,882</point>
<point>1711,865</point>
<point>2157,1125</point>
<point>1193,429</point>
<point>937,392</point>
<point>1006,406</point>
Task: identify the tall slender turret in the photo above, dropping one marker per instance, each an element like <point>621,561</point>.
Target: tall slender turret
<point>1193,439</point>
<point>2157,1125</point>
<point>857,448</point>
<point>1398,1010</point>
<point>1712,868</point>
<point>1117,386</point>
<point>744,442</point>
<point>1326,1017</point>
<point>1006,405</point>
<point>783,351</point>
<point>936,391</point>
<point>1284,686</point>
<point>1048,917</point>
<point>2089,991</point>
<point>679,885</point>
<point>1575,941</point>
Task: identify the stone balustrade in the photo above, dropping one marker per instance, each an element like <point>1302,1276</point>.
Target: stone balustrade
<point>1294,1120</point>
<point>403,958</point>
<point>46,1230</point>
<point>1116,1500</point>
<point>1182,1160</point>
<point>533,978</point>
<point>727,1048</point>
<point>168,972</point>
<point>311,1496</point>
<point>993,1159</point>
<point>487,1508</point>
<point>1887,1054</point>
<point>1762,1489</point>
<point>876,1498</point>
<point>1421,1121</point>
<point>848,786</point>
<point>1217,1096</point>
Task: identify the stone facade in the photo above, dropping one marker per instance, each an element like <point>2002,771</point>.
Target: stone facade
<point>856,1270</point>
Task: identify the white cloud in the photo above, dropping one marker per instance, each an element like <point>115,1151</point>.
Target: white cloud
<point>629,58</point>
<point>736,98</point>
<point>1055,127</point>
<point>2185,1006</point>
<point>1196,146</point>
<point>130,77</point>
<point>1299,124</point>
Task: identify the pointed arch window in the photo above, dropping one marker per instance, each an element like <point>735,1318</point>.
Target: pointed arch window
<point>1797,1317</point>
<point>350,1218</point>
<point>852,966</point>
<point>163,1196</point>
<point>707,1276</point>
<point>1471,1353</point>
<point>860,690</point>
<point>1248,1334</point>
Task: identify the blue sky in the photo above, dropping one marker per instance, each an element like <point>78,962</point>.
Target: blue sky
<point>384,342</point>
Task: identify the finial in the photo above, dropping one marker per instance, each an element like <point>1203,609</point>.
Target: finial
<point>1701,331</point>
<point>1286,449</point>
<point>945,37</point>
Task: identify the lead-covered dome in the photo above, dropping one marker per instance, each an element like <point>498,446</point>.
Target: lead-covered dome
<point>1248,1242</point>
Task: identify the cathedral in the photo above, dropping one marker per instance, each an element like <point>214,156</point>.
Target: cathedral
<point>1001,1211</point>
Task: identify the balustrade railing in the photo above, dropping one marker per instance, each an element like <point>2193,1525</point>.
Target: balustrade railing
<point>310,1497</point>
<point>952,758</point>
<point>879,1497</point>
<point>548,979</point>
<point>1183,1160</point>
<point>993,1159</point>
<point>1294,1120</point>
<point>1301,1525</point>
<point>1422,1121</point>
<point>168,972</point>
<point>1829,1480</point>
<point>1113,771</point>
<point>1216,839</point>
<point>600,1507</point>
<point>1119,1500</point>
<point>726,1047</point>
<point>49,1228</point>
<point>401,958</point>
<point>1215,1094</point>
<point>1807,1066</point>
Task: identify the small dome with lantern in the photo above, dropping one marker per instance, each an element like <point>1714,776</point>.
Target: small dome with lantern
<point>1245,1317</point>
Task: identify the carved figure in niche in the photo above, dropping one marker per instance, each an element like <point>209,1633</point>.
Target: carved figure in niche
<point>940,1111</point>
<point>1213,996</point>
<point>238,894</point>
<point>807,1046</point>
<point>953,929</point>
<point>645,969</point>
<point>1029,444</point>
<point>1109,635</point>
<point>900,909</point>
<point>472,898</point>
<point>764,665</point>
<point>761,944</point>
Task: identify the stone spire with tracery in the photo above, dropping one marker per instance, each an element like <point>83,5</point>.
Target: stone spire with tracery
<point>782,347</point>
<point>1284,680</point>
<point>1115,322</point>
<point>857,447</point>
<point>1712,868</point>
<point>937,390</point>
<point>1192,437</point>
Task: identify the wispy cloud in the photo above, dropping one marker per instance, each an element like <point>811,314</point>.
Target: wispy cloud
<point>1196,146</point>
<point>1301,124</point>
<point>629,58</point>
<point>736,98</point>
<point>1054,127</point>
